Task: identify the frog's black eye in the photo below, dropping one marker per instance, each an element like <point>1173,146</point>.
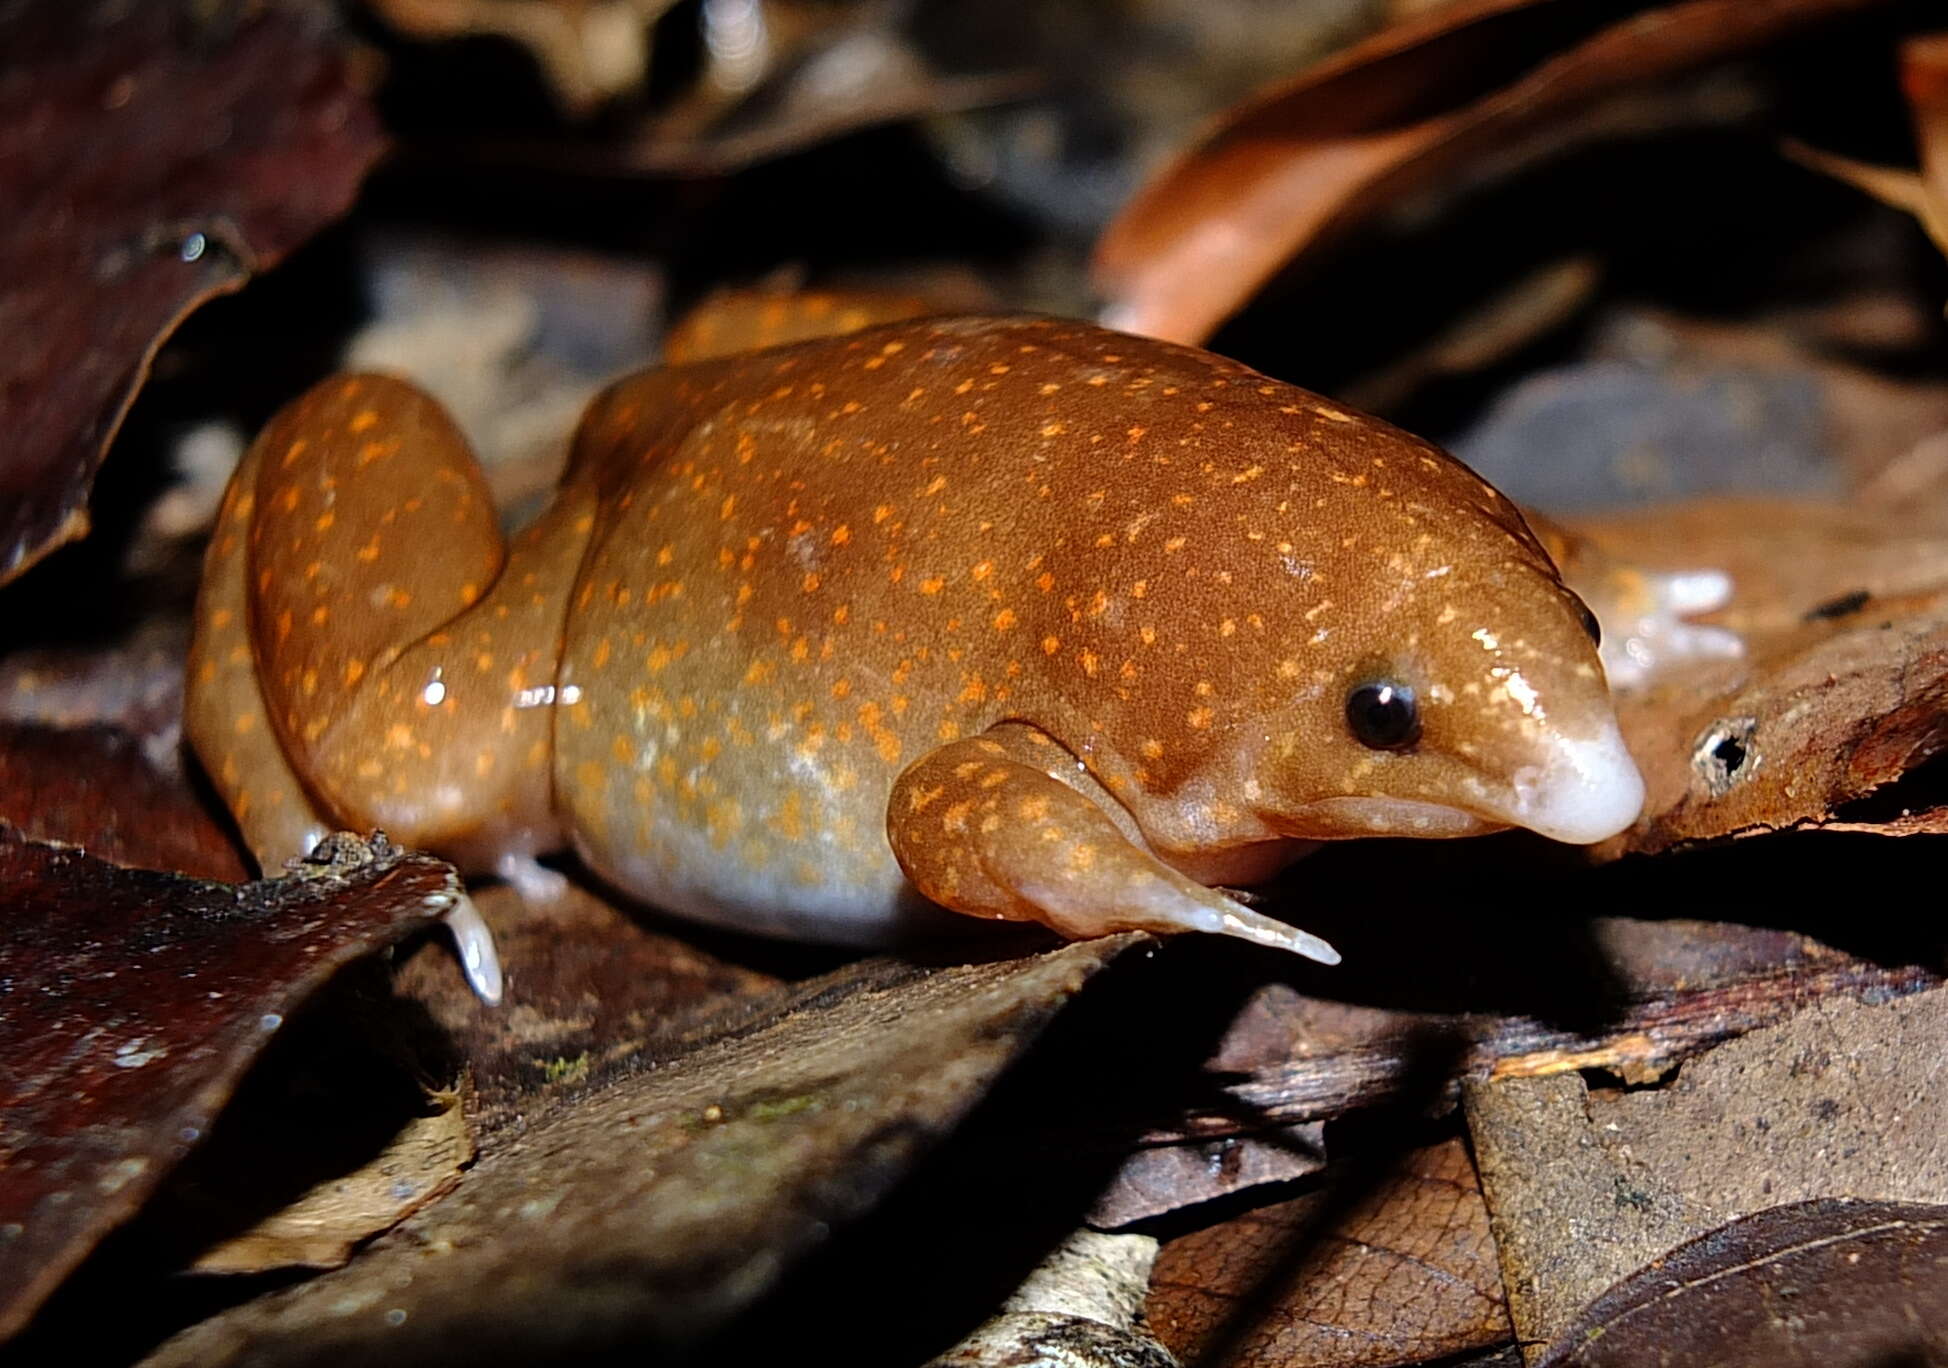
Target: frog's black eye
<point>1383,715</point>
<point>1590,624</point>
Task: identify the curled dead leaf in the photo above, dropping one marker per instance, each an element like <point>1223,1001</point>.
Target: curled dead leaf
<point>1301,163</point>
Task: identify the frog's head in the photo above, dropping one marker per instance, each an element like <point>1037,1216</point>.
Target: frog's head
<point>1454,687</point>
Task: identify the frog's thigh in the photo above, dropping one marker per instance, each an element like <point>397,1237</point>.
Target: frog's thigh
<point>982,827</point>
<point>223,710</point>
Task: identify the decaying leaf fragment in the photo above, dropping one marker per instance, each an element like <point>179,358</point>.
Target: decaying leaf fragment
<point>326,1222</point>
<point>1301,163</point>
<point>665,1201</point>
<point>1809,1285</point>
<point>589,990</point>
<point>131,1002</point>
<point>158,155</point>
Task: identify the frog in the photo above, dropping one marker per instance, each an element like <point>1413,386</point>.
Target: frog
<point>1005,617</point>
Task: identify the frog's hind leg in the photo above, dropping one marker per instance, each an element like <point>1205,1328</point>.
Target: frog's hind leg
<point>365,528</point>
<point>352,667</point>
<point>983,826</point>
<point>224,716</point>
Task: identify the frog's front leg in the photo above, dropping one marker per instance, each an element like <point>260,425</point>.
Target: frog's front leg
<point>984,826</point>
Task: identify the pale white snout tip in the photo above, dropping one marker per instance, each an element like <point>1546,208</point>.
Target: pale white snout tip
<point>1588,790</point>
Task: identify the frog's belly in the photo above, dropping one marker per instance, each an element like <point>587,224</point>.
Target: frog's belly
<point>682,870</point>
<point>778,841</point>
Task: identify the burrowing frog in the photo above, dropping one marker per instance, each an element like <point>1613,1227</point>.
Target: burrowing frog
<point>1021,618</point>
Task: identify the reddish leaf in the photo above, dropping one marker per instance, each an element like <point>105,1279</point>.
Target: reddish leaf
<point>1304,162</point>
<point>130,1004</point>
<point>149,160</point>
<point>95,787</point>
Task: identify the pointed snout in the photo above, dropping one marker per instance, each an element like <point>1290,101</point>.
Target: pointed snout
<point>1586,789</point>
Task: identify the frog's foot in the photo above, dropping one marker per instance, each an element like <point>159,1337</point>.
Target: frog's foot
<point>1645,628</point>
<point>534,881</point>
<point>473,942</point>
<point>982,827</point>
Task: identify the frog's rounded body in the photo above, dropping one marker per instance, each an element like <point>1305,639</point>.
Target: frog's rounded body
<point>1032,618</point>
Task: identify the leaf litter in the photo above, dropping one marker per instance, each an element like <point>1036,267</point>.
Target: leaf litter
<point>132,1002</point>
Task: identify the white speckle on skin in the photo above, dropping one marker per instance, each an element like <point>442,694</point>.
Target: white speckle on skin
<point>270,1021</point>
<point>1523,693</point>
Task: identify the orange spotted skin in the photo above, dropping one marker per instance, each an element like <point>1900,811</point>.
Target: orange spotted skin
<point>1024,615</point>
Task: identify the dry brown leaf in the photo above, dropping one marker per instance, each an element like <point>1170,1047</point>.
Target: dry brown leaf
<point>1408,1275</point>
<point>1836,1102</point>
<point>1303,162</point>
<point>589,990</point>
<point>1843,688</point>
<point>1548,994</point>
<point>1157,1179</point>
